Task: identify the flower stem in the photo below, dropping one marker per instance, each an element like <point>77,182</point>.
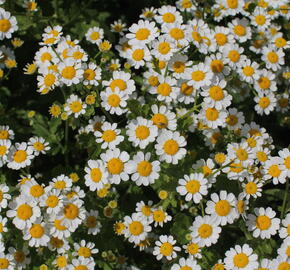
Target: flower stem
<point>285,199</point>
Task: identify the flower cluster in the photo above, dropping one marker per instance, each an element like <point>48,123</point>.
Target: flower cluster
<point>172,162</point>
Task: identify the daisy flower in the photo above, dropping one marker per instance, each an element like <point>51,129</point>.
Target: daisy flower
<point>168,15</point>
<point>85,250</point>
<point>233,55</point>
<point>215,95</point>
<point>144,172</point>
<point>185,5</point>
<point>163,49</point>
<point>273,57</point>
<point>170,146</point>
<point>222,36</point>
<point>252,188</point>
<point>285,155</point>
<point>137,56</point>
<point>283,251</point>
<point>6,261</point>
<point>110,136</point>
<point>160,217</point>
<point>235,119</point>
<point>6,133</point>
<point>44,57</point>
<point>72,214</point>
<point>61,182</point>
<point>164,247</point>
<point>248,71</point>
<point>148,13</point>
<point>118,27</point>
<point>279,263</point>
<point>265,264</point>
<point>75,106</point>
<point>187,264</point>
<point>8,24</point>
<point>36,234</point>
<point>92,222</point>
<point>163,118</point>
<point>92,74</point>
<point>141,132</point>
<point>205,231</point>
<point>212,117</point>
<point>114,101</point>
<point>61,261</point>
<point>263,222</point>
<point>193,250</point>
<point>4,196</point>
<point>274,170</point>
<point>70,71</point>
<point>241,153</point>
<point>57,229</point>
<point>199,75</point>
<point>260,18</point>
<point>121,81</point>
<point>187,93</point>
<point>48,80</point>
<point>20,257</point>
<point>142,33</point>
<point>95,35</point>
<point>19,156</point>
<point>266,82</point>
<point>3,227</point>
<point>178,64</point>
<point>193,187</point>
<point>241,258</point>
<point>52,200</point>
<point>58,245</point>
<point>145,210</point>
<point>96,175</point>
<point>137,228</point>
<point>32,190</point>
<point>217,66</point>
<point>82,263</point>
<point>39,145</point>
<point>222,207</point>
<point>282,103</point>
<point>240,29</point>
<point>175,33</point>
<point>166,90</point>
<point>117,165</point>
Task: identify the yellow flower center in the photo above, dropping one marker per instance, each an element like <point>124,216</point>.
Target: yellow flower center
<point>109,135</point>
<point>96,175</point>
<point>114,100</point>
<point>4,134</point>
<point>38,146</point>
<point>36,191</point>
<point>4,263</point>
<point>164,89</point>
<point>153,80</point>
<point>192,248</point>
<point>274,170</point>
<point>176,33</point>
<point>68,72</point>
<point>192,186</point>
<point>146,210</point>
<point>49,80</point>
<point>241,260</point>
<point>76,106</point>
<point>159,216</point>
<point>144,168</point>
<point>36,231</point>
<point>197,75</point>
<point>218,266</point>
<point>178,67</point>
<point>241,206</point>
<point>272,57</point>
<point>61,261</point>
<point>19,256</point>
<point>58,226</point>
<point>248,71</point>
<point>185,268</point>
<point>234,56</point>
<point>264,83</point>
<point>164,47</point>
<point>220,158</point>
<point>89,74</point>
<point>186,4</point>
<point>236,167</point>
<point>211,114</point>
<point>232,120</point>
<point>280,42</point>
<point>166,249</point>
<point>261,156</point>
<point>60,184</point>
<point>263,222</point>
<point>81,267</point>
<point>77,55</point>
<point>221,39</point>
<point>242,154</point>
<point>85,252</point>
<point>260,19</point>
<point>196,36</point>
<point>217,66</point>
<point>5,25</point>
<point>251,188</point>
<point>138,54</point>
<point>185,89</point>
<point>264,102</point>
<point>216,93</point>
<point>71,211</point>
<point>252,142</point>
<point>45,57</point>
<point>91,222</point>
<point>284,266</point>
<point>287,162</point>
<point>3,150</point>
<point>52,201</point>
<point>142,34</point>
<point>171,147</point>
<point>205,230</point>
<point>223,208</point>
<point>233,4</point>
<point>95,36</point>
<point>136,228</point>
<point>20,156</point>
<point>115,166</point>
<point>160,120</point>
<point>24,211</point>
<point>240,30</point>
<point>121,84</point>
<point>168,17</point>
<point>142,132</point>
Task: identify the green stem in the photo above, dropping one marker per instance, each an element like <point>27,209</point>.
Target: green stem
<point>202,208</point>
<point>285,199</point>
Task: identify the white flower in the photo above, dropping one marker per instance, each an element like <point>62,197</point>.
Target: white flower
<point>92,74</point>
<point>92,222</point>
<point>187,264</point>
<point>193,187</point>
<point>70,71</point>
<point>164,247</point>
<point>114,101</point>
<point>8,24</point>
<point>4,150</point>
<point>20,156</point>
<point>39,145</point>
<point>75,106</point>
<point>163,118</point>
<point>85,250</point>
<point>263,223</point>
<point>95,35</point>
<point>36,234</point>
